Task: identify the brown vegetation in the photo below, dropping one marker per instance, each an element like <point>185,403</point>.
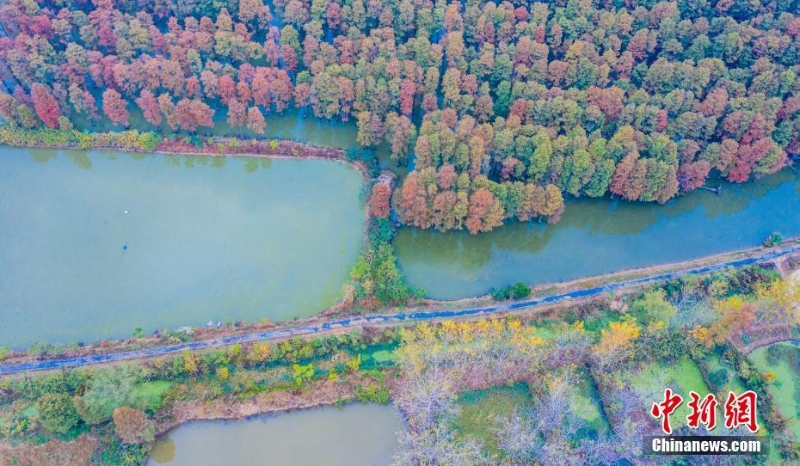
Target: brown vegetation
<point>54,453</point>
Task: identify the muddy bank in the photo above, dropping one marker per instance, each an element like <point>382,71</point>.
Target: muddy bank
<point>319,393</point>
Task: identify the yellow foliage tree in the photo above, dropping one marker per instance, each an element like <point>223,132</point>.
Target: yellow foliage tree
<point>260,352</point>
<point>616,341</point>
<point>701,335</point>
<point>189,363</point>
<point>499,346</point>
<point>353,364</point>
<point>302,374</point>
<point>779,301</point>
<point>736,315</point>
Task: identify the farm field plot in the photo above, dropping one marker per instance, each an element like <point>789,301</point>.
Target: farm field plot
<point>483,411</point>
<point>682,377</point>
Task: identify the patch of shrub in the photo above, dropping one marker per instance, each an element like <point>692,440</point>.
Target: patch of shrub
<point>375,274</point>
<point>774,239</point>
<point>518,290</point>
<point>120,454</point>
<point>57,413</point>
<point>373,393</point>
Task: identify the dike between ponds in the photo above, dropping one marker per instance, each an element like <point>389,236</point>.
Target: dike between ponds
<point>402,318</point>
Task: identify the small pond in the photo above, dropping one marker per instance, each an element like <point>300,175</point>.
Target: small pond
<point>357,435</point>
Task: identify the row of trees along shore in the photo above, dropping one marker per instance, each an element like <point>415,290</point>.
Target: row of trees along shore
<point>506,106</point>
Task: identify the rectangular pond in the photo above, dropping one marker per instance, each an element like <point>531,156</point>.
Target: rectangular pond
<point>357,435</point>
<point>95,244</point>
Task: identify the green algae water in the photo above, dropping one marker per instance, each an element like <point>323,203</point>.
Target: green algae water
<point>358,435</point>
<point>782,360</point>
<point>96,244</point>
<point>598,236</point>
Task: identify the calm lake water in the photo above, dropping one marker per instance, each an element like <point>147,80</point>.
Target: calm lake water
<point>597,236</point>
<point>358,435</point>
<point>245,239</point>
<point>96,244</point>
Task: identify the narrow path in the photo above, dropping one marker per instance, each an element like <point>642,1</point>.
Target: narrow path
<point>764,336</point>
<point>381,319</point>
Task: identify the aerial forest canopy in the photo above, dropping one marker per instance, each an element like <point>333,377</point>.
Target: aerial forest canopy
<point>505,106</point>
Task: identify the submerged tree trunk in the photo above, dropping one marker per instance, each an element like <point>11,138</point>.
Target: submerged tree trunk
<point>716,190</point>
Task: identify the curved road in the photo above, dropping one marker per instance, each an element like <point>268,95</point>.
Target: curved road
<point>406,317</point>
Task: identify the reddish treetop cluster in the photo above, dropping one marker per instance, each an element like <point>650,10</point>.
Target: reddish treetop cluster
<point>505,105</point>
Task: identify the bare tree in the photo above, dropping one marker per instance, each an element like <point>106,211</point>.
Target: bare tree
<point>436,446</point>
<point>517,437</point>
<point>429,403</point>
<point>426,398</point>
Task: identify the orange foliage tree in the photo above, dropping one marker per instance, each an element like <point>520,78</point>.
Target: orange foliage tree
<point>379,201</point>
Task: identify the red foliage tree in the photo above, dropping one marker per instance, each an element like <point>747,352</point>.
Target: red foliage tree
<point>46,105</point>
<point>191,114</point>
<point>622,175</point>
<point>407,91</point>
<point>714,104</point>
<point>237,114</point>
<point>693,175</point>
<point>260,91</point>
<point>8,107</point>
<point>115,107</point>
<point>90,105</point>
<point>429,102</point>
<point>193,87</point>
<point>334,15</point>
<point>227,89</point>
<point>243,92</point>
<point>446,176</point>
<point>793,29</point>
<point>611,101</point>
<point>413,207</point>
<point>379,201</point>
<point>149,105</point>
<point>485,212</point>
<point>282,90</point>
<point>289,58</point>
<point>255,120</point>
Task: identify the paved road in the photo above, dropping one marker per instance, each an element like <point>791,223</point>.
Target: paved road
<point>406,317</point>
